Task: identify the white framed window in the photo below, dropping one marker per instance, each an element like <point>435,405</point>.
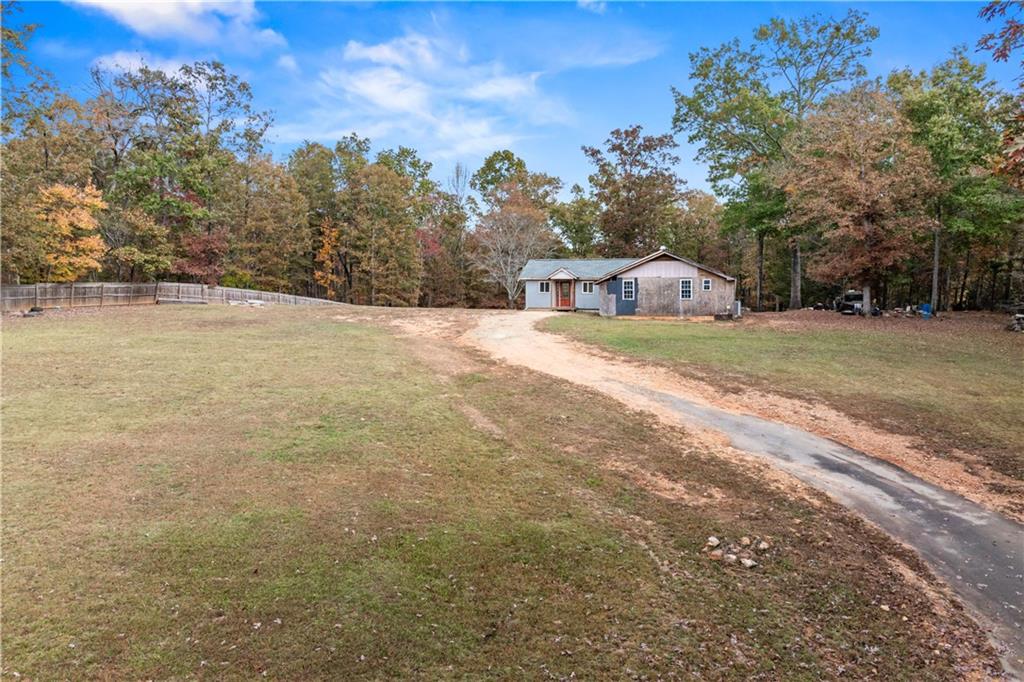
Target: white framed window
<point>545,287</point>
<point>588,287</point>
<point>705,285</point>
<point>628,289</point>
<point>686,289</point>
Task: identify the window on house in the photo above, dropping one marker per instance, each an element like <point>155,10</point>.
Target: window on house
<point>588,287</point>
<point>706,285</point>
<point>628,289</point>
<point>545,287</point>
<point>686,289</point>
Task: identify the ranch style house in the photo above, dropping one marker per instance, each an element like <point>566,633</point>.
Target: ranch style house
<point>660,284</point>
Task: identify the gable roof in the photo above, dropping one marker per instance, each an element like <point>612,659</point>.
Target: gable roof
<point>660,253</point>
<point>582,268</point>
<point>600,269</point>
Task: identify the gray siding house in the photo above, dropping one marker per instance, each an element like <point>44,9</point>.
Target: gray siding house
<point>660,284</point>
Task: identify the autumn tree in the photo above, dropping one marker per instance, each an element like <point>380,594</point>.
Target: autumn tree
<point>69,231</point>
<point>1003,43</point>
<point>450,277</point>
<point>637,189</point>
<point>168,141</point>
<point>52,147</point>
<point>503,174</point>
<point>138,249</point>
<point>328,271</point>
<point>855,170</point>
<point>576,221</point>
<point>381,220</point>
<point>955,112</point>
<point>758,210</point>
<point>268,227</point>
<point>696,229</point>
<point>746,99</point>
<point>508,236</point>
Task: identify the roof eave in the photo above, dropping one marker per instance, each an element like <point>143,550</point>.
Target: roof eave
<point>658,254</point>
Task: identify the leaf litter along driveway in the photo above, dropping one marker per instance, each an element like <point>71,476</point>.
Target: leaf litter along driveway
<point>979,552</point>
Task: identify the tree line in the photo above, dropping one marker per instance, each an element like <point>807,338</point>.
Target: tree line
<point>909,185</point>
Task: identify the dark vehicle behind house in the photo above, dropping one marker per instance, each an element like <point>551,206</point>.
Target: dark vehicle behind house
<point>850,303</point>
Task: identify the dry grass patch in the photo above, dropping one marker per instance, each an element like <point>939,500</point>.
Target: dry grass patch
<point>223,492</point>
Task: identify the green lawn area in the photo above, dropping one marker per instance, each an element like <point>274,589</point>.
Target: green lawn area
<point>953,384</point>
<point>226,492</point>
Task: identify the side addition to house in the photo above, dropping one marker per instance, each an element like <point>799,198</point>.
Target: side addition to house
<point>660,284</point>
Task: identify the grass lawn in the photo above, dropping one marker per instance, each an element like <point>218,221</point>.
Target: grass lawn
<point>227,492</point>
<point>954,383</point>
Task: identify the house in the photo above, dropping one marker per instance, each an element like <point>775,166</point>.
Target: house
<point>661,283</point>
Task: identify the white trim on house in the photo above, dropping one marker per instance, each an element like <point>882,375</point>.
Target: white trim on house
<point>705,285</point>
<point>562,273</point>
<point>588,287</point>
<point>663,253</point>
<point>631,296</point>
<point>686,294</point>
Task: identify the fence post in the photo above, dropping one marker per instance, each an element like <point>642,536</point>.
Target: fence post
<point>71,301</point>
<point>37,294</point>
<point>103,290</point>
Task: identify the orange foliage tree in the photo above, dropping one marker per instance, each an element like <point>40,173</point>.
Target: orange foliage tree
<point>856,176</point>
<point>69,230</point>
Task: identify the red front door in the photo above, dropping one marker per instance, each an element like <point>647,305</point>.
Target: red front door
<point>563,295</point>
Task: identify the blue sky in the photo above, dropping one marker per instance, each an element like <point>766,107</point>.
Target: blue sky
<point>457,81</point>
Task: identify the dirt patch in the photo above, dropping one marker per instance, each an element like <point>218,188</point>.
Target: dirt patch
<point>480,420</point>
<point>665,487</point>
<point>954,325</point>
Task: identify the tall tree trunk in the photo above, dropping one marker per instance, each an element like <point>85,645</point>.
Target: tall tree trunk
<point>935,268</point>
<point>760,273</point>
<point>865,307</point>
<point>992,287</point>
<point>963,281</point>
<point>795,271</point>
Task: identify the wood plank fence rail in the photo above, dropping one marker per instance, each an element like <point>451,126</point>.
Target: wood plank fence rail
<point>19,297</point>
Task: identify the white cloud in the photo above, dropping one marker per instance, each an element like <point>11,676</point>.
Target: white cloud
<point>229,24</point>
<point>126,60</point>
<point>383,87</point>
<point>592,6</point>
<point>504,87</point>
<point>288,63</point>
<point>416,87</point>
<point>407,51</point>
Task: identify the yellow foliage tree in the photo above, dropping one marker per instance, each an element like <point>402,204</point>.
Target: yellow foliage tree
<point>329,264</point>
<point>69,230</point>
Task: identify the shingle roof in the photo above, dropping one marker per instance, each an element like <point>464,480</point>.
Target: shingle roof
<point>583,268</point>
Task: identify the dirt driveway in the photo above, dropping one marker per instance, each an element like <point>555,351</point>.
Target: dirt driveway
<point>978,552</point>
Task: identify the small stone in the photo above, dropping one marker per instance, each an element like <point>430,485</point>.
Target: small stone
<point>730,558</point>
<point>748,563</point>
<point>745,541</point>
<point>884,607</point>
<point>713,541</point>
<point>763,545</point>
<point>715,555</point>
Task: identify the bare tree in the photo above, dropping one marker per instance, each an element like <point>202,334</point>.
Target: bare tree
<point>508,236</point>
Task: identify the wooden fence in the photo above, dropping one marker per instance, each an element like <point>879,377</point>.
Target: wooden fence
<point>18,297</point>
